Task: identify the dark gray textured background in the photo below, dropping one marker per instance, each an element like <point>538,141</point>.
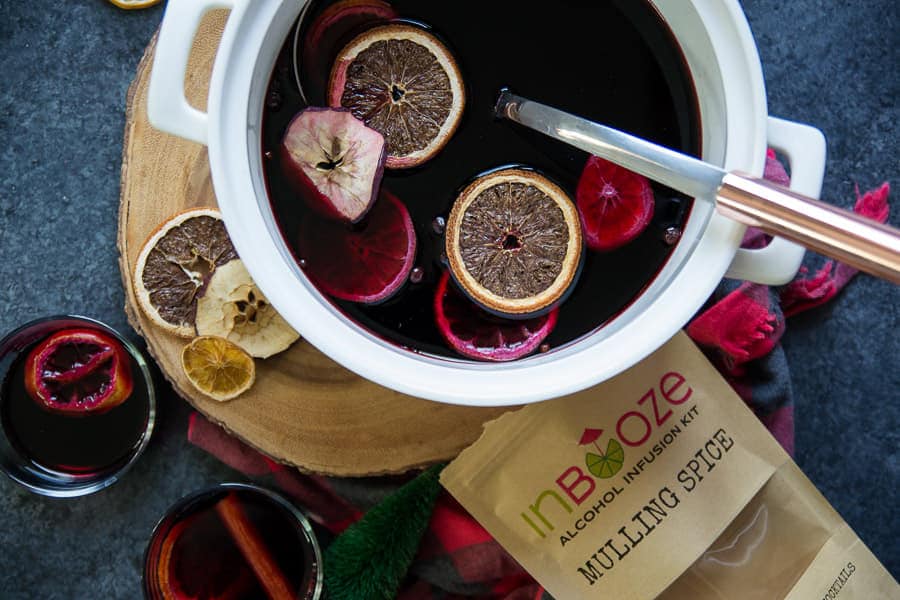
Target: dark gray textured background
<point>64,71</point>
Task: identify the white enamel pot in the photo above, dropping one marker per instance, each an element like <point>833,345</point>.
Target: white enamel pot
<point>736,128</point>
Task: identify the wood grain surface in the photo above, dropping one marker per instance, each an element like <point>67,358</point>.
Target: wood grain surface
<point>304,409</point>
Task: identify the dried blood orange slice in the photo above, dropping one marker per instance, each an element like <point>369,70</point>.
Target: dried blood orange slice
<point>365,264</point>
<point>175,263</point>
<point>334,161</point>
<point>78,371</point>
<point>332,29</point>
<point>513,242</point>
<point>477,334</point>
<point>615,204</point>
<point>401,81</point>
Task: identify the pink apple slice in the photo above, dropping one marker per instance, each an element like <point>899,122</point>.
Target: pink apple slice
<point>331,30</point>
<point>334,162</point>
<point>615,204</point>
<point>368,263</point>
<point>476,333</point>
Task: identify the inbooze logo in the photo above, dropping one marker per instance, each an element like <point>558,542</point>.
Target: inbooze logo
<point>649,414</point>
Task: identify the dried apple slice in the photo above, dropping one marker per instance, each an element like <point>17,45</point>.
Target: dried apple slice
<point>334,161</point>
<point>233,307</point>
<point>477,334</point>
<point>615,204</point>
<point>366,264</point>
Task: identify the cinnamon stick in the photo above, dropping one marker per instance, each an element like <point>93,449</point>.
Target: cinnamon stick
<point>251,545</point>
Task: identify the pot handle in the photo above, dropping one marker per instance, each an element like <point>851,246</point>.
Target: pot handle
<point>167,106</point>
<point>804,147</point>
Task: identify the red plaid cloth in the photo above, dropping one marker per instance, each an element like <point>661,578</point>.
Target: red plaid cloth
<point>739,330</point>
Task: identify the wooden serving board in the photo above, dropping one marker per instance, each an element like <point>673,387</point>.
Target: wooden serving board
<point>304,409</point>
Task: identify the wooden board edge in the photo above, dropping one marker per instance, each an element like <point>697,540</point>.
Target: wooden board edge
<point>135,320</point>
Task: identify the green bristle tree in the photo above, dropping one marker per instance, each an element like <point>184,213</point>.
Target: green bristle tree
<point>370,559</point>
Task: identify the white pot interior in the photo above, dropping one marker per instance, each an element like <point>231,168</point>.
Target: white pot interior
<point>722,60</point>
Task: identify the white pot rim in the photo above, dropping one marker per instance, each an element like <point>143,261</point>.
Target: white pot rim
<point>233,154</point>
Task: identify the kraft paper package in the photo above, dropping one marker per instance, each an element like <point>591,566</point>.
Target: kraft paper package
<point>660,483</point>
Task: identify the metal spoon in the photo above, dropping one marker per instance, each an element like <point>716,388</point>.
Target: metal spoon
<point>855,240</point>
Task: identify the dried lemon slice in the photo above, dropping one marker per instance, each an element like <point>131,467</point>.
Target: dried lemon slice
<point>233,307</point>
<point>134,4</point>
<point>218,368</point>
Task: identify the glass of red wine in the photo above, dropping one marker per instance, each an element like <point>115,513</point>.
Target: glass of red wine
<point>235,541</point>
<point>77,405</point>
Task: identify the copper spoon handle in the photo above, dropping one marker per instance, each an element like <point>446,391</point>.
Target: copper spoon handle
<point>853,239</point>
<point>860,242</point>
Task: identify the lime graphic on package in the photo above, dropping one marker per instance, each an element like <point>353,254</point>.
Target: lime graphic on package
<point>603,464</point>
<point>606,465</point>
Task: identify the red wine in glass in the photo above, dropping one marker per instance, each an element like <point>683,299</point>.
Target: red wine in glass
<point>77,405</point>
<point>233,541</point>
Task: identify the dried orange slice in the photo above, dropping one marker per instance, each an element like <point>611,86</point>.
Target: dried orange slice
<point>514,243</point>
<point>218,368</point>
<point>176,262</point>
<point>403,82</point>
<point>134,4</point>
